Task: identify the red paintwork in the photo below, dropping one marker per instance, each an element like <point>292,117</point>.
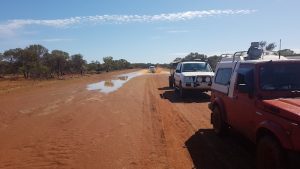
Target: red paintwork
<point>289,112</point>
<point>275,111</point>
<point>288,108</point>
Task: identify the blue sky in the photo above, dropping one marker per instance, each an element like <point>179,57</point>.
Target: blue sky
<point>154,31</point>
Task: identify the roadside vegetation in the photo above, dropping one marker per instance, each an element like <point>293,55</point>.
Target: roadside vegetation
<point>37,62</point>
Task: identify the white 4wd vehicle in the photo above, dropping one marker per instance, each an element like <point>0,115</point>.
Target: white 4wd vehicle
<point>152,69</point>
<point>193,75</point>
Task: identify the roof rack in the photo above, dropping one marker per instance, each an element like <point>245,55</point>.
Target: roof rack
<point>194,60</point>
<point>226,55</point>
<point>176,61</point>
<point>238,54</point>
<point>233,57</point>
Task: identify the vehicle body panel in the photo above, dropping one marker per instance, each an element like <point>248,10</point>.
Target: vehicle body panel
<point>288,108</point>
<point>152,69</point>
<point>277,112</point>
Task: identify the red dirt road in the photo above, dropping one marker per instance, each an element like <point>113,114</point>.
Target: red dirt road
<point>141,125</point>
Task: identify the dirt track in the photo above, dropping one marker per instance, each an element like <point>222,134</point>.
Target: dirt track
<point>141,125</point>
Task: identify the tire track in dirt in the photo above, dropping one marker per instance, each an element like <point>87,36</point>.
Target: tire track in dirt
<point>153,123</point>
<point>175,126</point>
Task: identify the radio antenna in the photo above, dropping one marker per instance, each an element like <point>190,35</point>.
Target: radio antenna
<point>279,48</point>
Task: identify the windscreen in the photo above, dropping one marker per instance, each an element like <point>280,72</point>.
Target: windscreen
<point>275,76</point>
<point>196,67</point>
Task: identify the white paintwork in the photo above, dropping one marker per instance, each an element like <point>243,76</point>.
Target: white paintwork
<point>152,68</point>
<point>263,58</point>
<point>226,89</point>
<point>197,73</point>
<point>220,88</point>
<point>180,77</point>
<point>233,79</point>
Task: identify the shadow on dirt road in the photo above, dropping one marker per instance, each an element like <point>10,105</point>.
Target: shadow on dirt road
<point>209,151</point>
<point>192,96</point>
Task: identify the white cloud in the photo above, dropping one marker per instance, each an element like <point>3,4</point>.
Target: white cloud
<point>10,26</point>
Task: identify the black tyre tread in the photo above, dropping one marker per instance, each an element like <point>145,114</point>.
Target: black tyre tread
<point>264,144</point>
<point>171,85</point>
<point>181,91</point>
<point>222,126</point>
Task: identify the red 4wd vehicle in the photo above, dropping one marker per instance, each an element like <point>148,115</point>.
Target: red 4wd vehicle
<point>261,100</point>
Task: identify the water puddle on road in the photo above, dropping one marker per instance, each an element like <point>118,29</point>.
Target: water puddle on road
<point>114,84</point>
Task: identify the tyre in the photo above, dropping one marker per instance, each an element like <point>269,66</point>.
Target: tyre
<point>176,88</point>
<point>181,91</point>
<point>171,84</point>
<point>269,154</point>
<point>218,123</point>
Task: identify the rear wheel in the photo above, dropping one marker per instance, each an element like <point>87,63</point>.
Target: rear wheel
<point>176,88</point>
<point>269,154</point>
<point>218,123</point>
<point>171,84</point>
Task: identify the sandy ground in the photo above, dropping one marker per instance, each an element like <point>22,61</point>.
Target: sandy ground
<point>60,124</point>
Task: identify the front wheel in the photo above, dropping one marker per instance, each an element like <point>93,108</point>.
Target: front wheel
<point>218,123</point>
<point>269,154</point>
<point>181,91</point>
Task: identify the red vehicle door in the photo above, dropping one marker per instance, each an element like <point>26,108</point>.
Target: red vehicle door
<point>242,109</point>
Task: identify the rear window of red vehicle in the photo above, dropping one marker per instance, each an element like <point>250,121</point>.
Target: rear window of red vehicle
<point>223,76</point>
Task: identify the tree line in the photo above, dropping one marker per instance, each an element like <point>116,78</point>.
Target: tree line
<point>35,61</point>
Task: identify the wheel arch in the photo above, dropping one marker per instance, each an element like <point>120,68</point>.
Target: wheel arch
<point>274,130</point>
<point>219,103</point>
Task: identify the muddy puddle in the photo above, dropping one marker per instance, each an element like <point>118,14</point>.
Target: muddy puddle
<point>113,84</point>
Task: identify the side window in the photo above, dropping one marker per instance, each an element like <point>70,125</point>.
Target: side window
<point>178,67</point>
<point>241,79</point>
<point>223,76</point>
<point>245,75</point>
